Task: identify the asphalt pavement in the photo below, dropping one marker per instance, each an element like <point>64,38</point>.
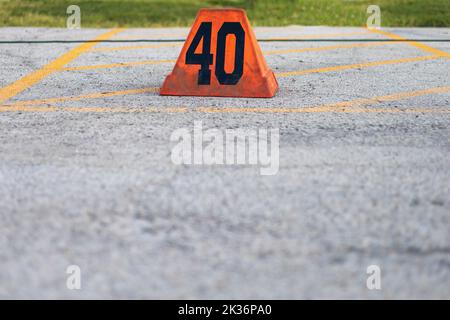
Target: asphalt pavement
<point>86,176</point>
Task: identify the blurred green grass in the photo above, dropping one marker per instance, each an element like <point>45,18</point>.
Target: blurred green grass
<point>159,13</point>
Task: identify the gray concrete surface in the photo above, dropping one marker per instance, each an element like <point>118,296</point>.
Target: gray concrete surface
<point>99,190</point>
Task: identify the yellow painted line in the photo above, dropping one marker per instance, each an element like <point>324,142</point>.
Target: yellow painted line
<point>416,44</point>
<point>9,108</point>
<point>333,47</point>
<point>93,109</point>
<point>56,65</point>
<point>95,95</point>
<point>184,35</point>
<point>322,110</point>
<point>144,46</point>
<point>282,74</point>
<point>322,48</point>
<point>152,36</point>
<point>115,65</point>
<point>398,110</point>
<point>355,66</point>
<point>319,36</point>
<point>273,52</point>
<point>98,109</point>
<point>345,106</point>
<point>400,96</point>
<point>151,46</point>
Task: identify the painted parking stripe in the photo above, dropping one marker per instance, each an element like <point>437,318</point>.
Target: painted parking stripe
<point>155,36</point>
<point>318,36</point>
<point>416,44</point>
<point>281,74</point>
<point>52,67</point>
<point>295,37</point>
<point>136,47</point>
<point>98,109</point>
<point>95,95</point>
<point>356,66</point>
<point>328,48</point>
<point>115,65</point>
<point>344,106</point>
<point>270,52</point>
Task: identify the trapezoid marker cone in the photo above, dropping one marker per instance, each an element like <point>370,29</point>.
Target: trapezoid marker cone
<point>221,58</point>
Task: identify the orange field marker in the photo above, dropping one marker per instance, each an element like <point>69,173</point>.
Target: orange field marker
<point>221,57</point>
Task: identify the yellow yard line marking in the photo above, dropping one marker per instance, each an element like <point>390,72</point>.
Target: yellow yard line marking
<point>395,97</point>
<point>355,66</point>
<point>326,48</point>
<point>416,44</point>
<point>345,106</point>
<point>56,65</point>
<point>319,36</point>
<point>115,65</point>
<point>319,110</point>
<point>10,108</point>
<point>144,46</point>
<point>398,110</point>
<point>95,95</point>
<point>184,35</point>
<point>94,109</point>
<point>97,109</point>
<point>281,74</point>
<point>273,52</point>
<point>150,46</point>
<point>152,36</point>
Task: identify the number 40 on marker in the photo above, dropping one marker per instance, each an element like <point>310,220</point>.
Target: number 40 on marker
<point>210,64</point>
<point>205,59</point>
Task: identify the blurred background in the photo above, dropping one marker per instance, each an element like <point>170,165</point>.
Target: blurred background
<point>164,13</point>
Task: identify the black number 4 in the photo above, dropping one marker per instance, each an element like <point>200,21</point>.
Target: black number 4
<point>205,59</point>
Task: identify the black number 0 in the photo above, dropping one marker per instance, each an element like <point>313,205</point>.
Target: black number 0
<point>205,59</point>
